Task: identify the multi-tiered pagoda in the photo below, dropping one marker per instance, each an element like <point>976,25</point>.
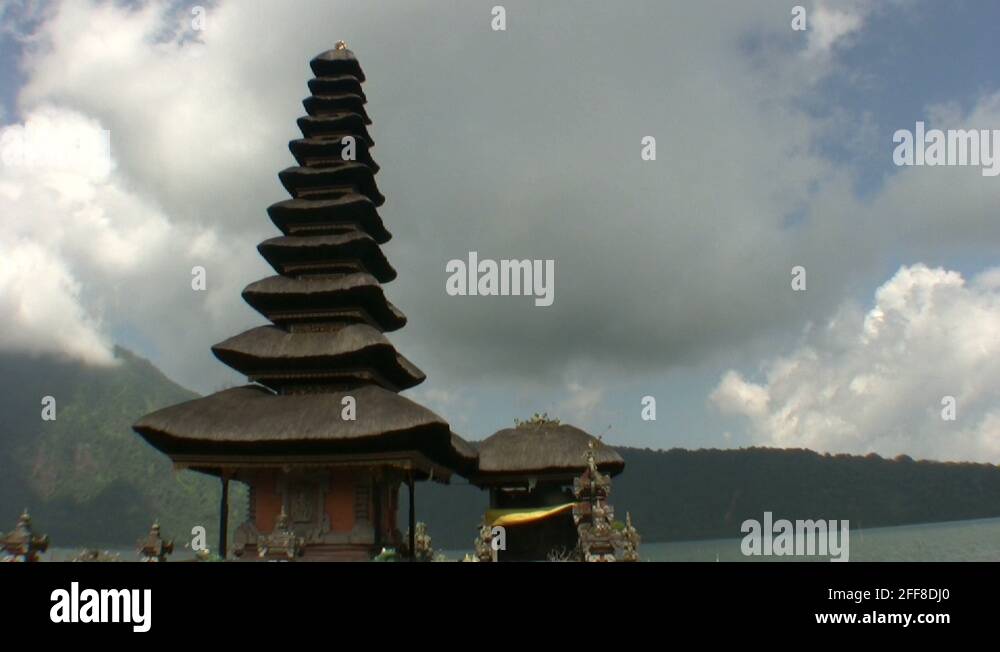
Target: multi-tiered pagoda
<point>321,435</point>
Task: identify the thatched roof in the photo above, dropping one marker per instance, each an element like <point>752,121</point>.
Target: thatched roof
<point>540,449</point>
<point>250,420</point>
<point>303,181</point>
<point>284,299</point>
<point>327,254</point>
<point>337,62</point>
<point>268,352</point>
<point>314,152</point>
<point>466,450</point>
<point>330,314</point>
<point>336,85</point>
<point>329,216</point>
<point>339,103</point>
<point>338,125</point>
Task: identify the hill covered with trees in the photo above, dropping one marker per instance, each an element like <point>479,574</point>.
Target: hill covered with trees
<point>89,480</point>
<point>86,477</point>
<point>704,494</point>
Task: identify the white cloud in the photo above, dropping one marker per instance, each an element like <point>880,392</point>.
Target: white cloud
<point>580,403</point>
<point>661,263</point>
<point>941,209</point>
<point>670,262</point>
<point>199,123</point>
<point>740,397</point>
<point>83,256</point>
<point>875,382</point>
<point>830,23</point>
<point>41,303</point>
<point>187,116</point>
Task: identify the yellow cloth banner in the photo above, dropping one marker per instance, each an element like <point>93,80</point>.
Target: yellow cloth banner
<point>505,517</point>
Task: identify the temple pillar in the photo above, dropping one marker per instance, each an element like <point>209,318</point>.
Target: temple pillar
<point>413,519</point>
<point>377,512</point>
<point>223,514</point>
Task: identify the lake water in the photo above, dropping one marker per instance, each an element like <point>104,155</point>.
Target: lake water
<point>954,541</point>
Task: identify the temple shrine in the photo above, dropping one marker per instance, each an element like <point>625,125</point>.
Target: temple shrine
<point>320,434</point>
<point>532,472</point>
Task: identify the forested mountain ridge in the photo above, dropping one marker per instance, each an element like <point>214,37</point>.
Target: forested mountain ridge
<point>90,480</point>
<point>86,477</point>
<point>703,494</point>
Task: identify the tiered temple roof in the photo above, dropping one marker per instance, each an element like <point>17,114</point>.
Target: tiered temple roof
<point>328,314</point>
<point>542,449</point>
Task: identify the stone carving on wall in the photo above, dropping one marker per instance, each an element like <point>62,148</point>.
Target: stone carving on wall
<point>282,544</point>
<point>302,502</point>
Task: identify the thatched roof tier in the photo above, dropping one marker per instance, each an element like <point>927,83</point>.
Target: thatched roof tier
<point>320,152</point>
<point>309,182</point>
<point>277,358</point>
<point>336,85</point>
<point>329,217</point>
<point>539,450</point>
<point>337,62</point>
<point>327,254</point>
<point>336,126</point>
<point>328,314</point>
<point>286,300</point>
<point>320,105</point>
<point>252,422</point>
<point>466,450</point>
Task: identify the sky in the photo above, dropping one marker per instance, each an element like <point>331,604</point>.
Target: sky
<point>673,277</point>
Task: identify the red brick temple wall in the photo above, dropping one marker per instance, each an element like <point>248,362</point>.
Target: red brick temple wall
<point>348,501</point>
<point>267,502</point>
<point>340,501</point>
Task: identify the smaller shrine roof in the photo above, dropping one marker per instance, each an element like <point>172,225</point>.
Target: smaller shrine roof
<point>331,216</point>
<point>303,181</point>
<point>339,61</point>
<point>538,449</point>
<point>343,252</point>
<point>281,298</point>
<point>270,351</point>
<point>336,85</point>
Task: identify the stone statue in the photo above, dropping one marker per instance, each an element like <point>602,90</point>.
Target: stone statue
<point>483,545</point>
<point>282,544</point>
<point>23,544</point>
<point>598,538</point>
<point>421,542</point>
<point>630,540</point>
<point>153,547</point>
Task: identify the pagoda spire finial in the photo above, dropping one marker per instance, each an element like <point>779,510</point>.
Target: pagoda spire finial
<point>340,45</point>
